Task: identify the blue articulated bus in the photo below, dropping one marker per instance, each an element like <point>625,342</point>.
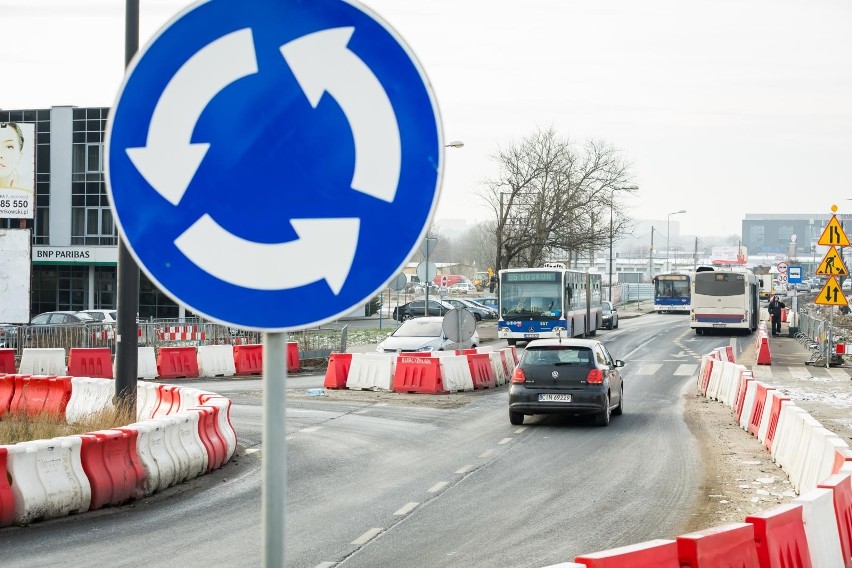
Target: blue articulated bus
<point>548,302</point>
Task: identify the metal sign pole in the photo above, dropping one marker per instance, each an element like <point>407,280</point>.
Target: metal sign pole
<point>828,336</point>
<point>274,454</point>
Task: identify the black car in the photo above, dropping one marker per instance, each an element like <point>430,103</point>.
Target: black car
<point>609,315</point>
<point>566,376</point>
<point>417,308</point>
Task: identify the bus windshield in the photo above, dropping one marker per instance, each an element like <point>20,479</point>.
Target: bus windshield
<point>672,287</point>
<point>536,294</point>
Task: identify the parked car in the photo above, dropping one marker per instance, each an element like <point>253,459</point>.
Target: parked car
<point>417,308</point>
<point>61,317</point>
<point>847,285</point>
<point>463,288</point>
<point>479,312</point>
<point>566,376</point>
<point>106,316</point>
<point>423,334</point>
<point>477,304</point>
<point>489,301</point>
<point>803,287</point>
<point>8,336</point>
<point>610,315</point>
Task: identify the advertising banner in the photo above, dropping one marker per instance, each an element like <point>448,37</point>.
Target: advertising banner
<point>729,255</point>
<point>15,269</point>
<point>17,170</point>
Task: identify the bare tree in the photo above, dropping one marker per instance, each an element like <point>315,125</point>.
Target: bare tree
<point>552,199</point>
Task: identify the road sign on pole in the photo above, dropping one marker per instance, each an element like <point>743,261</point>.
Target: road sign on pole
<point>831,294</point>
<point>833,235</point>
<point>258,155</point>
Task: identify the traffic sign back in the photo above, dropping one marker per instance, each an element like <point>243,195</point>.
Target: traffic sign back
<point>833,235</point>
<point>260,153</point>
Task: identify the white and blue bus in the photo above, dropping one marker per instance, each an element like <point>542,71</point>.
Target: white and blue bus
<point>537,303</point>
<point>724,299</point>
<point>672,292</point>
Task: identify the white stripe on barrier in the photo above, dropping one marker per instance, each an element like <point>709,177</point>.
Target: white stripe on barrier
<point>47,479</point>
<point>187,428</point>
<point>371,371</point>
<point>510,361</point>
<point>147,398</point>
<point>216,361</point>
<point>821,528</point>
<point>821,439</point>
<point>42,361</point>
<point>783,431</point>
<point>88,396</point>
<point>797,466</point>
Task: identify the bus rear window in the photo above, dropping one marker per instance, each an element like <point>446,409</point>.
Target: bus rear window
<point>719,284</point>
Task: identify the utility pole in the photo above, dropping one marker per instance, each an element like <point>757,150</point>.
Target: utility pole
<point>695,256</point>
<point>651,257</point>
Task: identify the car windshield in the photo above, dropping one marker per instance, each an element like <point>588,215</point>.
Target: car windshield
<point>419,328</point>
<point>559,355</point>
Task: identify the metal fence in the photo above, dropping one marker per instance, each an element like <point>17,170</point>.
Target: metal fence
<point>313,343</point>
<point>819,336</point>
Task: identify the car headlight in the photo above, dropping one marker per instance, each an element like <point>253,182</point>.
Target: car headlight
<point>426,348</point>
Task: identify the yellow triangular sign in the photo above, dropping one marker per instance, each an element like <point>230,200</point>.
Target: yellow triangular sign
<point>831,294</point>
<point>832,264</point>
<point>833,235</point>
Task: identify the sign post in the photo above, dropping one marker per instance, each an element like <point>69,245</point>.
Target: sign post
<point>832,265</point>
<point>351,152</point>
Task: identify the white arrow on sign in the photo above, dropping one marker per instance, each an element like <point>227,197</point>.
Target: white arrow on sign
<point>325,250</point>
<point>321,62</point>
<point>168,161</point>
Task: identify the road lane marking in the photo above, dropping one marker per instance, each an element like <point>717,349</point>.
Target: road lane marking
<point>486,453</point>
<point>521,429</point>
<point>649,369</point>
<point>686,370</point>
<point>310,429</point>
<point>504,441</point>
<point>250,451</point>
<point>325,564</point>
<point>407,508</point>
<point>465,468</point>
<point>367,536</point>
<point>438,486</point>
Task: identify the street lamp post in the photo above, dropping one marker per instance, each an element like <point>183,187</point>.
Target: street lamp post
<point>611,206</point>
<point>668,227</point>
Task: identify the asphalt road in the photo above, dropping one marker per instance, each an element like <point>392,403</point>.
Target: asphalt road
<point>376,484</point>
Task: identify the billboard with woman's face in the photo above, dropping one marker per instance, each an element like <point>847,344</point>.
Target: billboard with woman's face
<point>17,170</point>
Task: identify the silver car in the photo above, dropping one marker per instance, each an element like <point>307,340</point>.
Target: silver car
<point>423,334</point>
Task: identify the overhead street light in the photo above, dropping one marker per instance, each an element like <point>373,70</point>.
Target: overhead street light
<point>668,226</point>
<point>611,205</point>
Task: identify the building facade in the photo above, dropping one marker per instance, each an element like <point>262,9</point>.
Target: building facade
<point>74,237</point>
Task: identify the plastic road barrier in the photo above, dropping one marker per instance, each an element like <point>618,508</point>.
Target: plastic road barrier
<point>90,362</point>
<point>497,367</point>
<point>7,498</point>
<point>742,390</point>
<point>88,396</point>
<point>772,422</point>
<point>112,466</point>
<point>223,420</point>
<point>248,359</point>
<point>821,528</point>
<point>7,361</point>
<point>208,432</point>
<point>763,355</point>
<point>748,404</point>
<point>177,362</point>
<point>159,465</point>
<point>34,395</point>
<point>652,554</point>
<point>293,362</point>
<point>455,373</point>
<point>7,393</point>
<point>841,487</point>
<point>146,364</point>
<point>216,361</point>
<point>47,479</point>
<point>168,397</point>
<point>147,400</point>
<point>418,374</point>
<point>337,370</point>
<point>47,361</point>
<point>727,545</point>
<point>481,371</point>
<point>371,371</point>
<point>780,537</point>
<point>757,407</point>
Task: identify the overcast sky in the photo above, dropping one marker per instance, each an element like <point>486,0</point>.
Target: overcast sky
<point>724,107</point>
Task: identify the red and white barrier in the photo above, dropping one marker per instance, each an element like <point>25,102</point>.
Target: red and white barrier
<point>371,371</point>
<point>46,361</point>
<point>181,333</point>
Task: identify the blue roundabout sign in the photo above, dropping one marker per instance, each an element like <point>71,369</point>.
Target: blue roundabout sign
<point>274,164</point>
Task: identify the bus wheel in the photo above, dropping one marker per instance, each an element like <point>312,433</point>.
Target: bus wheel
<point>699,331</point>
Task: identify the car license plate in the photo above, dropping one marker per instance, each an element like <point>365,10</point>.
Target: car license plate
<point>530,336</point>
<point>552,397</point>
<point>718,325</point>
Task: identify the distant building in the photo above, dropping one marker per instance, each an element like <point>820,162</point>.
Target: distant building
<point>768,234</point>
<point>74,238</point>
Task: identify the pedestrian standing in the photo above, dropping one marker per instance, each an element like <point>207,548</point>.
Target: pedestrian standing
<point>775,307</point>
